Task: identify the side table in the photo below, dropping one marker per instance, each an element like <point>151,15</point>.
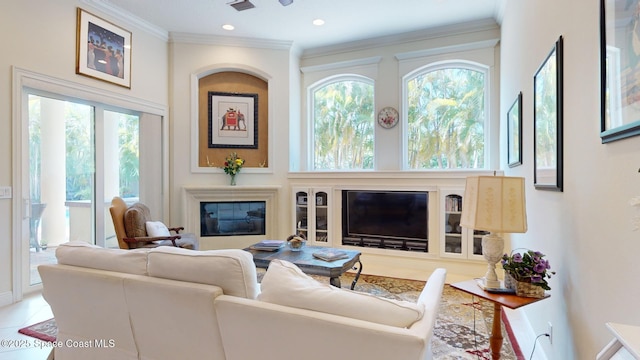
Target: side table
<point>499,300</point>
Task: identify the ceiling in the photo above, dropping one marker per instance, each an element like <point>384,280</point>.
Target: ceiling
<point>345,20</point>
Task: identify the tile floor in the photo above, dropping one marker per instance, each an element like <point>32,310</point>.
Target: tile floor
<point>32,309</point>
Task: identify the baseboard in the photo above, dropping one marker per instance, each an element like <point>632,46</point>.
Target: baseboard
<point>6,298</point>
<point>524,334</point>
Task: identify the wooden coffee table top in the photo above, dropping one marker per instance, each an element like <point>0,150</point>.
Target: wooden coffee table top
<point>306,262</point>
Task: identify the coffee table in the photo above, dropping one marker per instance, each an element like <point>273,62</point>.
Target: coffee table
<point>310,265</point>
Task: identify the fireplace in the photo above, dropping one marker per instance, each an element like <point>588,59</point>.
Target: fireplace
<point>231,216</point>
<point>228,218</point>
<point>386,219</point>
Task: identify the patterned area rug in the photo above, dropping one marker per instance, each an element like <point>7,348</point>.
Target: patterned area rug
<point>46,330</point>
<point>463,325</point>
<point>461,332</point>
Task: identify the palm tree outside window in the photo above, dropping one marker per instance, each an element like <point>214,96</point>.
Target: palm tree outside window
<point>343,124</point>
<point>446,118</point>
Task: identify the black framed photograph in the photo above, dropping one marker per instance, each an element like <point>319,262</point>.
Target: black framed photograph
<point>103,50</point>
<point>619,69</point>
<point>233,120</point>
<point>547,121</point>
<point>514,133</point>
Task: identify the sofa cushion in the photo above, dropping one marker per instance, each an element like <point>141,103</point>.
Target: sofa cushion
<point>157,229</point>
<point>135,220</point>
<point>285,284</point>
<point>231,269</point>
<point>80,253</point>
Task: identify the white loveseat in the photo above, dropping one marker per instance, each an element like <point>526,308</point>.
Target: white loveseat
<point>172,303</point>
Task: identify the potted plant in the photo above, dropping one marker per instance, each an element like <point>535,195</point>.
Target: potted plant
<point>527,273</point>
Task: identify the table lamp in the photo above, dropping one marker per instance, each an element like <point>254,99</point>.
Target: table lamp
<point>495,204</point>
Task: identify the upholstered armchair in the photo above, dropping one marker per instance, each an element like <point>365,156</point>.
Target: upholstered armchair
<point>135,229</point>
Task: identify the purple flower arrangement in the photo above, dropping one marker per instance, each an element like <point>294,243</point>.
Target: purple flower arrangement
<point>528,267</point>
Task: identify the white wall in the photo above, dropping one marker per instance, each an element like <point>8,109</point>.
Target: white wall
<point>586,231</point>
<point>192,56</point>
<point>40,36</point>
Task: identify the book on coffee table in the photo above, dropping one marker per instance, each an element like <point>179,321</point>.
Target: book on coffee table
<point>330,254</point>
<point>268,245</point>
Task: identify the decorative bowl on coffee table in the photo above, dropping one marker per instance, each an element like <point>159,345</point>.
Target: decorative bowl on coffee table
<point>296,243</point>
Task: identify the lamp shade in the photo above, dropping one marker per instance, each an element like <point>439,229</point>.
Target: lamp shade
<point>494,203</point>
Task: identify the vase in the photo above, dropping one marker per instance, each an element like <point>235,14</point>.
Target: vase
<point>233,180</point>
<point>526,289</point>
<point>509,281</point>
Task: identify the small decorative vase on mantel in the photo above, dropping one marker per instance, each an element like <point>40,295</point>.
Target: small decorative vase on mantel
<point>232,165</point>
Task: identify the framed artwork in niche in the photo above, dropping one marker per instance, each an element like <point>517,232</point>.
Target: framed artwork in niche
<point>514,133</point>
<point>233,120</point>
<point>103,50</point>
<point>619,69</point>
<point>547,121</point>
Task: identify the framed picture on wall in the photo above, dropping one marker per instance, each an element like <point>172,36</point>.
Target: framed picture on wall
<point>233,120</point>
<point>619,69</point>
<point>103,50</point>
<point>547,121</point>
<point>514,133</point>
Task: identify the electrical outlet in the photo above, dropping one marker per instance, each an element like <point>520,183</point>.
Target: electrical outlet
<point>550,332</point>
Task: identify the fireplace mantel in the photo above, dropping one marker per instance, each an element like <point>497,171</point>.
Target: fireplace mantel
<point>194,195</point>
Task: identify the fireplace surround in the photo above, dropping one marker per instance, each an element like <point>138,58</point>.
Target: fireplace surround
<point>196,196</point>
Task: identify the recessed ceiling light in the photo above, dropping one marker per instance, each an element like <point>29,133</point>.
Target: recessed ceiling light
<point>228,27</point>
<point>318,22</point>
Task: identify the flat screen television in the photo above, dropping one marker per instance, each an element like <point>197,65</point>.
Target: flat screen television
<point>400,215</point>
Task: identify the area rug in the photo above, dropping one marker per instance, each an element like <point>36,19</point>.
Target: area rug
<point>46,330</point>
<point>462,327</point>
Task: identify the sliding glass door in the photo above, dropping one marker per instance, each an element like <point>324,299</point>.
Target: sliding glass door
<point>81,155</point>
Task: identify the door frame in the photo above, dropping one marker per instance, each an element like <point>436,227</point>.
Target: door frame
<point>24,80</point>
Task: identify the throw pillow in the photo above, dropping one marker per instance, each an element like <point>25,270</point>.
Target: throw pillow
<point>157,229</point>
<point>285,284</point>
<point>135,219</point>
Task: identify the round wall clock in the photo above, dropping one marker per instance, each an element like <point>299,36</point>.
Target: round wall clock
<point>388,117</point>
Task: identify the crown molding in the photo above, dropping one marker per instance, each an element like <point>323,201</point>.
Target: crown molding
<point>178,37</point>
<point>125,17</point>
<point>448,49</point>
<point>342,64</point>
<point>420,35</point>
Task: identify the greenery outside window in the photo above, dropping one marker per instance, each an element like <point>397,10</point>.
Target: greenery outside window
<point>342,110</point>
<point>447,116</point>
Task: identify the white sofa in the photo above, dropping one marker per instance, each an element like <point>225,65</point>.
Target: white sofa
<point>172,303</point>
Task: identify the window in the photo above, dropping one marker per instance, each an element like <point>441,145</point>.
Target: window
<point>447,117</point>
<point>342,112</point>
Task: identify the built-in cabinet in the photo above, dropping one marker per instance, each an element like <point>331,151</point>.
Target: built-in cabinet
<point>456,241</point>
<point>313,217</point>
<point>312,214</point>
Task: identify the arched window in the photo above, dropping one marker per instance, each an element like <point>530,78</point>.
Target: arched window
<point>342,114</point>
<point>447,116</point>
